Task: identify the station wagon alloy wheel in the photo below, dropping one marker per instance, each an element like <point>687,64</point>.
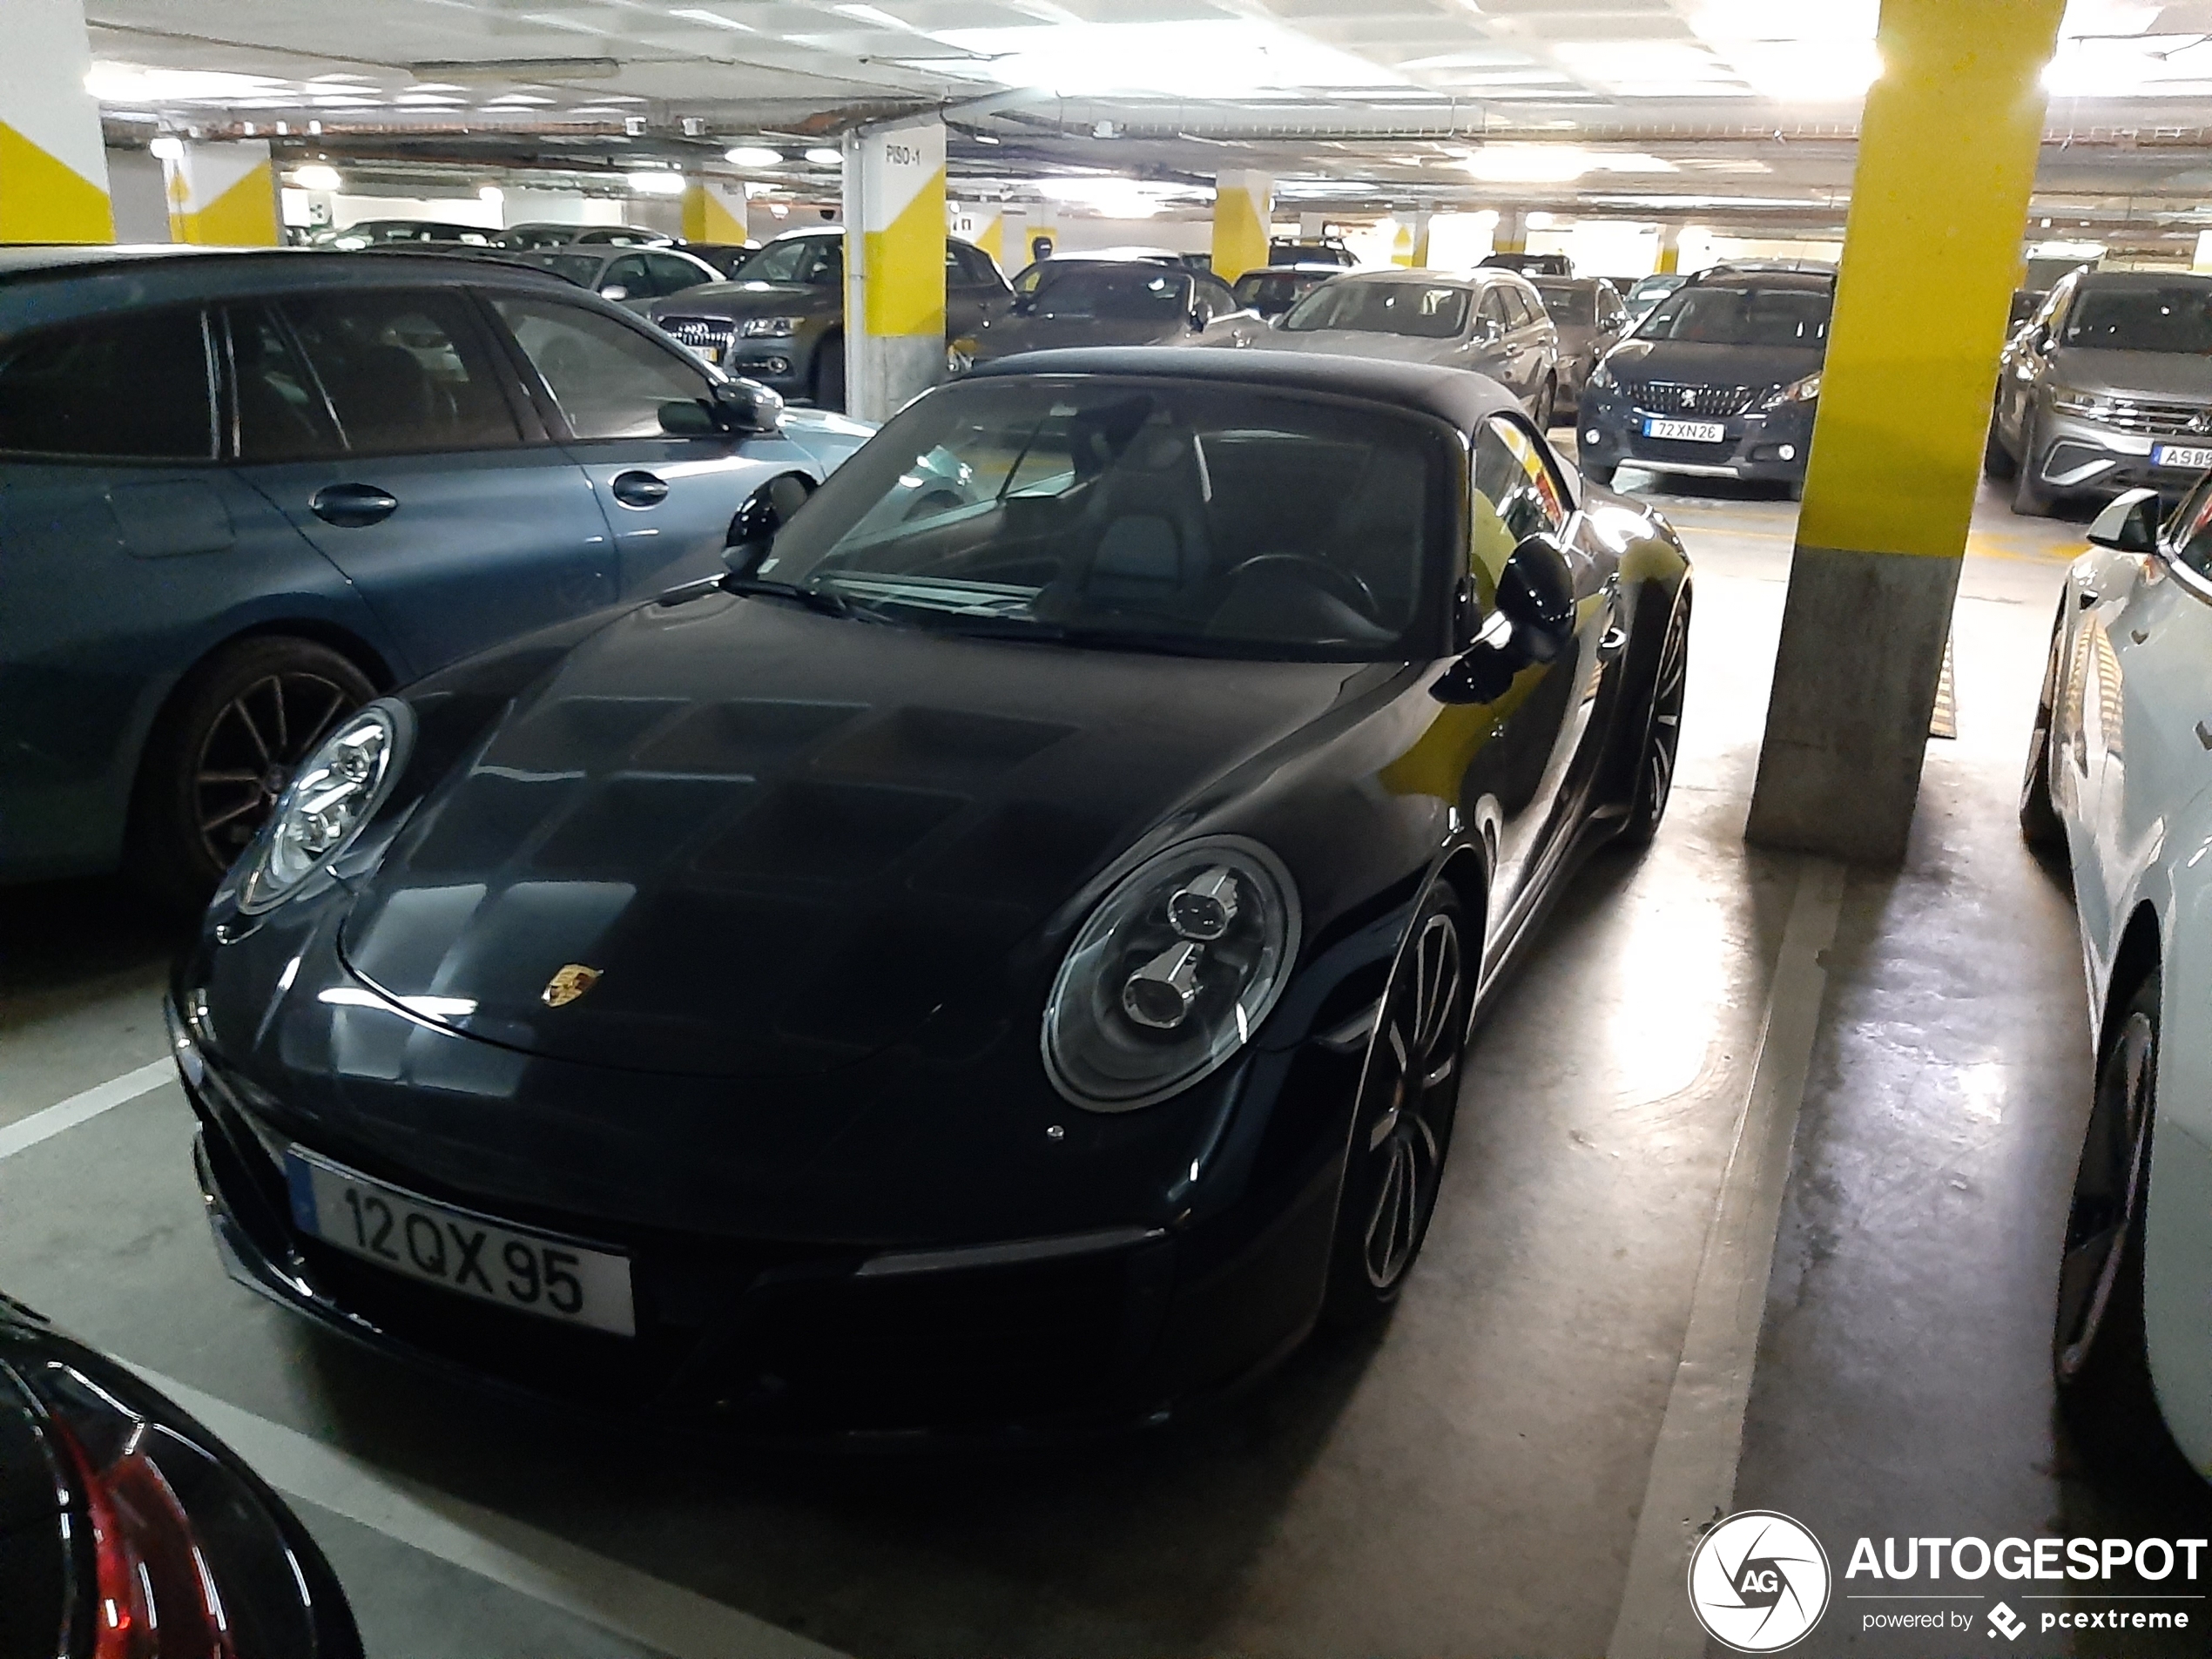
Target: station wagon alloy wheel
<point>2099,1314</point>
<point>256,741</point>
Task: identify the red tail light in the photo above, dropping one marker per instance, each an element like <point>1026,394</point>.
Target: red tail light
<point>156,1598</point>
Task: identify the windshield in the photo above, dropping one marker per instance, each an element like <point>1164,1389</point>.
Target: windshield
<point>800,259</point>
<point>1117,293</point>
<point>577,267</point>
<point>1200,519</point>
<point>1420,310</point>
<point>1728,314</point>
<point>2173,317</point>
<point>1274,290</point>
<point>1564,302</point>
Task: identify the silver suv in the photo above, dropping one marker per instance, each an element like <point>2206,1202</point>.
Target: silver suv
<point>2108,387</point>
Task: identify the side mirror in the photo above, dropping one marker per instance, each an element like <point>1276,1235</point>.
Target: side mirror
<point>2128,523</point>
<point>738,409</point>
<point>753,531</point>
<point>614,291</point>
<point>2038,338</point>
<point>1533,621</point>
<point>687,417</point>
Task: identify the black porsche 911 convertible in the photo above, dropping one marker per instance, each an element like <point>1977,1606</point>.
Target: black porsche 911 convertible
<point>996,962</point>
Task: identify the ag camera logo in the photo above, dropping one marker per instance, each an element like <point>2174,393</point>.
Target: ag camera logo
<point>1758,1581</point>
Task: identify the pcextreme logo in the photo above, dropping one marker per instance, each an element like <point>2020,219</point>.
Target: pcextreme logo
<point>1758,1581</point>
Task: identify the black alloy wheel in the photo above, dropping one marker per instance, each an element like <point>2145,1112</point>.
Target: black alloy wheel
<point>2039,825</point>
<point>223,751</point>
<point>1547,404</point>
<point>1655,772</point>
<point>2097,1341</point>
<point>1402,1125</point>
<point>2031,498</point>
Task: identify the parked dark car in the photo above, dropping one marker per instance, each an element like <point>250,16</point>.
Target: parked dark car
<point>339,472</point>
<point>1591,319</point>
<point>1721,381</point>
<point>632,276</point>
<point>1490,322</point>
<point>1026,279</point>
<point>2109,388</point>
<point>1002,957</point>
<point>1273,289</point>
<point>1530,264</point>
<point>725,256</point>
<point>537,235</point>
<point>1323,250</point>
<point>378,232</point>
<point>1115,302</point>
<point>1649,291</point>
<point>127,1529</point>
<point>781,319</point>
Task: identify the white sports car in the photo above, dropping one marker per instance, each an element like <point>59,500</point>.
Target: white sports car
<point>2120,771</point>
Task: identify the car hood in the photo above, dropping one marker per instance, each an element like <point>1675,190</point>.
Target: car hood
<point>777,842</point>
<point>753,299</point>
<point>1003,336</point>
<point>2134,374</point>
<point>1353,342</point>
<point>1697,363</point>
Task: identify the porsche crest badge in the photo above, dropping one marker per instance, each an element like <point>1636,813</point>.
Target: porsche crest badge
<point>568,984</point>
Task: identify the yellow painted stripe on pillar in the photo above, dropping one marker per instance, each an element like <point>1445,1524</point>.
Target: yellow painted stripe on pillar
<point>906,266</point>
<point>1669,261</point>
<point>46,201</point>
<point>992,239</point>
<point>1946,155</point>
<point>243,216</point>
<point>1240,230</point>
<point>706,220</point>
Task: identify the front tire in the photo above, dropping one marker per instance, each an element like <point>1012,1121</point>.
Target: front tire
<point>1655,773</point>
<point>2039,825</point>
<point>222,752</point>
<point>1997,463</point>
<point>1547,404</point>
<point>1402,1125</point>
<point>1601,473</point>
<point>2031,499</point>
<point>2098,1354</point>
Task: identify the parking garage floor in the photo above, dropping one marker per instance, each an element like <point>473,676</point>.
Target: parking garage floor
<point>1469,1481</point>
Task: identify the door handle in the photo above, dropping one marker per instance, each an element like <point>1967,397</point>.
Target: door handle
<point>638,489</point>
<point>2138,635</point>
<point>352,506</point>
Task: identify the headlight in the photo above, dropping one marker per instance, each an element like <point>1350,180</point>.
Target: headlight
<point>2066,400</point>
<point>768,327</point>
<point>1172,974</point>
<point>1798,391</point>
<point>336,791</point>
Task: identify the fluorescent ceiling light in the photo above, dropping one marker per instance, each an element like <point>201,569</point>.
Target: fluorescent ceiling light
<point>655,184</point>
<point>823,155</point>
<point>1553,164</point>
<point>1649,68</point>
<point>490,194</point>
<point>169,147</point>
<point>695,14</point>
<point>753,155</point>
<point>132,84</point>
<point>1213,58</point>
<point>874,15</point>
<point>315,176</point>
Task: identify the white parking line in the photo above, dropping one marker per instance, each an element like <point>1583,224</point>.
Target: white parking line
<point>1693,1468</point>
<point>81,1108</point>
<point>680,1623</point>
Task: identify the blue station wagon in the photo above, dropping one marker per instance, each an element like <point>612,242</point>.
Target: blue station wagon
<point>243,492</point>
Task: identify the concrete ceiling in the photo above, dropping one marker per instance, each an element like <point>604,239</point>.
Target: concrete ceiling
<point>1729,110</point>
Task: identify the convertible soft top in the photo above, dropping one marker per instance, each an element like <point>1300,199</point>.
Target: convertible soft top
<point>1454,394</point>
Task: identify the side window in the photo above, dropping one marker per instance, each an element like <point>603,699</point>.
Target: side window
<point>629,274</point>
<point>609,379</point>
<point>1523,310</point>
<point>280,411</point>
<point>404,370</point>
<point>669,274</point>
<point>1493,316</point>
<point>1514,485</point>
<point>132,386</point>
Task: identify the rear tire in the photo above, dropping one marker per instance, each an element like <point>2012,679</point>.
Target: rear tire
<point>222,751</point>
<point>1402,1127</point>
<point>1547,404</point>
<point>829,374</point>
<point>2098,1351</point>
<point>2039,822</point>
<point>2030,498</point>
<point>1655,756</point>
<point>1996,463</point>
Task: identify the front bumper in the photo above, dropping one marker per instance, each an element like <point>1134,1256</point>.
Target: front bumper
<point>2075,455</point>
<point>765,1338</point>
<point>1768,446</point>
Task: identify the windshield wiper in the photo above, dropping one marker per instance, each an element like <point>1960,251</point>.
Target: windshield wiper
<point>830,604</point>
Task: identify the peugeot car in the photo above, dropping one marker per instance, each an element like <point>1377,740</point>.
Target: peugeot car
<point>997,960</point>
<point>1721,381</point>
<point>2109,387</point>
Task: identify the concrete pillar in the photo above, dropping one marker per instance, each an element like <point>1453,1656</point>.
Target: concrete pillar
<point>714,210</point>
<point>53,167</point>
<point>1669,250</point>
<point>2201,263</point>
<point>1903,405</point>
<point>1409,246</point>
<point>983,224</point>
<point>223,195</point>
<point>1244,206</point>
<point>894,266</point>
<point>1511,235</point>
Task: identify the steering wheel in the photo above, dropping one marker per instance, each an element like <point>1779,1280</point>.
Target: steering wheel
<point>1347,585</point>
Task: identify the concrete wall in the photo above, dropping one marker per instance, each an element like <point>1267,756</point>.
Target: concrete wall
<point>138,192</point>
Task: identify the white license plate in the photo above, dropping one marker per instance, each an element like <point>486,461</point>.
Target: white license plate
<point>1692,431</point>
<point>2175,455</point>
<point>556,1278</point>
<point>713,354</point>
